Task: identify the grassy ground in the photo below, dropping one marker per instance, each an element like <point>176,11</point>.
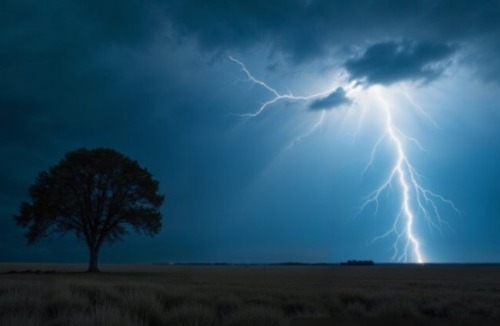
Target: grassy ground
<point>236,295</point>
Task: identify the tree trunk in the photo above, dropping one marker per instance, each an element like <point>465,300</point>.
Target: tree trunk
<point>94,253</point>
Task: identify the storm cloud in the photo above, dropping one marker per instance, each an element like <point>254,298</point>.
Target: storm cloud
<point>305,31</point>
<point>390,62</point>
<point>335,99</point>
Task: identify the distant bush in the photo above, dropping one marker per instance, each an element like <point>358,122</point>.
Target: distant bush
<point>358,262</point>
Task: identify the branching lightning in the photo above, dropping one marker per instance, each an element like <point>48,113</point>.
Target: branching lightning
<point>405,177</point>
<point>277,96</point>
<point>415,201</point>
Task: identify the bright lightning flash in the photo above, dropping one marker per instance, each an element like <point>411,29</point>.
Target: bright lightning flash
<point>406,178</point>
<point>415,200</point>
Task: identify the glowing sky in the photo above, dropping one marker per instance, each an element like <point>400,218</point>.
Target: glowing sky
<point>269,124</point>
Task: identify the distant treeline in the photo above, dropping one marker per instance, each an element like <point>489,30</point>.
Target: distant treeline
<point>30,271</point>
<point>248,264</point>
<point>358,262</point>
<point>349,262</point>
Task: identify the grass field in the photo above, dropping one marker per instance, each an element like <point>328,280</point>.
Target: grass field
<point>254,295</point>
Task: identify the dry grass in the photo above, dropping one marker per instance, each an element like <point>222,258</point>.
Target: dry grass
<point>232,295</point>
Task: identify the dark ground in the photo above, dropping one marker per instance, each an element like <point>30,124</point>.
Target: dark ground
<point>51,294</point>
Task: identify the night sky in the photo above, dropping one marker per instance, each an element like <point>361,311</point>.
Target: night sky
<point>164,82</point>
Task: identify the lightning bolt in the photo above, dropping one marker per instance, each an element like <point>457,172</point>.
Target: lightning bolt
<point>415,200</point>
<point>277,97</point>
<point>405,177</point>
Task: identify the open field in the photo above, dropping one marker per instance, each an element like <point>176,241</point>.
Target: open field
<point>254,295</point>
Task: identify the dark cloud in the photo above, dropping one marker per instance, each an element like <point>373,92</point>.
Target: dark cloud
<point>335,99</point>
<point>302,30</point>
<point>317,29</point>
<point>59,77</point>
<point>389,62</point>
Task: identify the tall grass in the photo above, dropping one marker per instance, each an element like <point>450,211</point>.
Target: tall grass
<point>231,296</point>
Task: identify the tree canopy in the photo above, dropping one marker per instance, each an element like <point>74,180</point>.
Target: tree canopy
<point>97,194</point>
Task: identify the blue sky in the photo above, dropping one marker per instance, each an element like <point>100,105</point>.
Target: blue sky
<point>154,80</point>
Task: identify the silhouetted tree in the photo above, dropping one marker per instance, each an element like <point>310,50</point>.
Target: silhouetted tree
<point>96,194</point>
